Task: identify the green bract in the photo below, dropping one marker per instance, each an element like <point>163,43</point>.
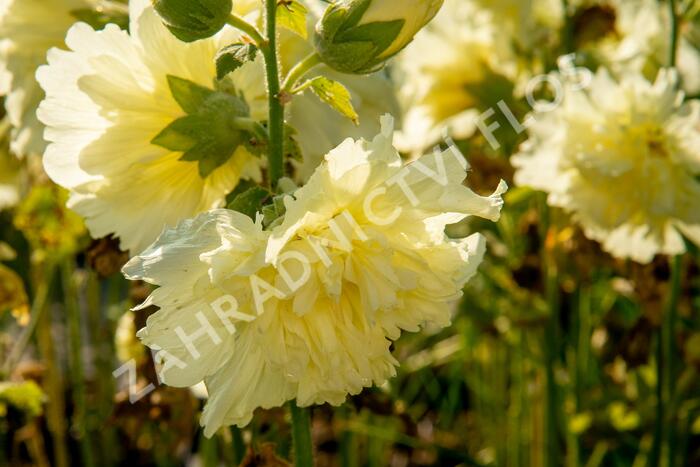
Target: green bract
<point>211,131</point>
<point>358,36</point>
<point>191,20</point>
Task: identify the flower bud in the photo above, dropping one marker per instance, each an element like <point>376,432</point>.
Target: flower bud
<point>358,36</point>
<point>191,20</point>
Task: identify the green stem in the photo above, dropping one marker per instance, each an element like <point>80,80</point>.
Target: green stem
<point>666,354</point>
<point>670,356</point>
<point>673,52</point>
<point>276,112</point>
<point>301,435</point>
<point>551,341</point>
<point>237,445</point>
<point>54,386</point>
<point>38,306</point>
<point>655,452</point>
<point>299,70</point>
<point>241,24</point>
<point>348,440</point>
<point>77,373</point>
<point>568,33</point>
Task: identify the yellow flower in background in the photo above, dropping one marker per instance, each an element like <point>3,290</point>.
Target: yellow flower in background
<point>28,28</point>
<point>634,36</point>
<point>528,22</point>
<point>107,98</point>
<point>26,397</point>
<point>51,229</point>
<point>308,311</point>
<point>458,66</point>
<point>13,296</point>
<point>623,157</point>
<point>623,418</point>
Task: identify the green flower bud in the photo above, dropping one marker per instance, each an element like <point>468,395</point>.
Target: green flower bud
<point>359,36</point>
<point>192,20</point>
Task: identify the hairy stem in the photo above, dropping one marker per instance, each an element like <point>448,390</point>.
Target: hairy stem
<point>298,72</point>
<point>241,24</point>
<point>275,123</point>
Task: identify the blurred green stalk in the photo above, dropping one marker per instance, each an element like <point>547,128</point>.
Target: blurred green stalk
<point>552,453</point>
<point>568,30</point>
<point>348,440</point>
<point>237,445</point>
<point>666,353</point>
<point>77,372</point>
<point>38,307</point>
<point>671,354</point>
<point>673,52</point>
<point>665,345</point>
<point>551,347</point>
<point>301,436</point>
<point>54,387</point>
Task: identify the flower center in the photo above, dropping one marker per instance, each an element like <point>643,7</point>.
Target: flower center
<point>656,143</point>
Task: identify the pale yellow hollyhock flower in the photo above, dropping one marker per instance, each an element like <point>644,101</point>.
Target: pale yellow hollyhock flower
<point>107,98</point>
<point>528,22</point>
<point>454,69</point>
<point>321,335</point>
<point>639,40</point>
<point>28,28</point>
<point>623,157</point>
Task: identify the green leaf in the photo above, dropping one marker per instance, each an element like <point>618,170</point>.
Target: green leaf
<point>292,149</point>
<point>180,135</point>
<point>291,15</point>
<point>274,212</point>
<point>189,95</point>
<point>250,201</point>
<point>210,154</point>
<point>243,185</point>
<point>381,34</point>
<point>209,133</point>
<point>334,94</point>
<point>233,56</point>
